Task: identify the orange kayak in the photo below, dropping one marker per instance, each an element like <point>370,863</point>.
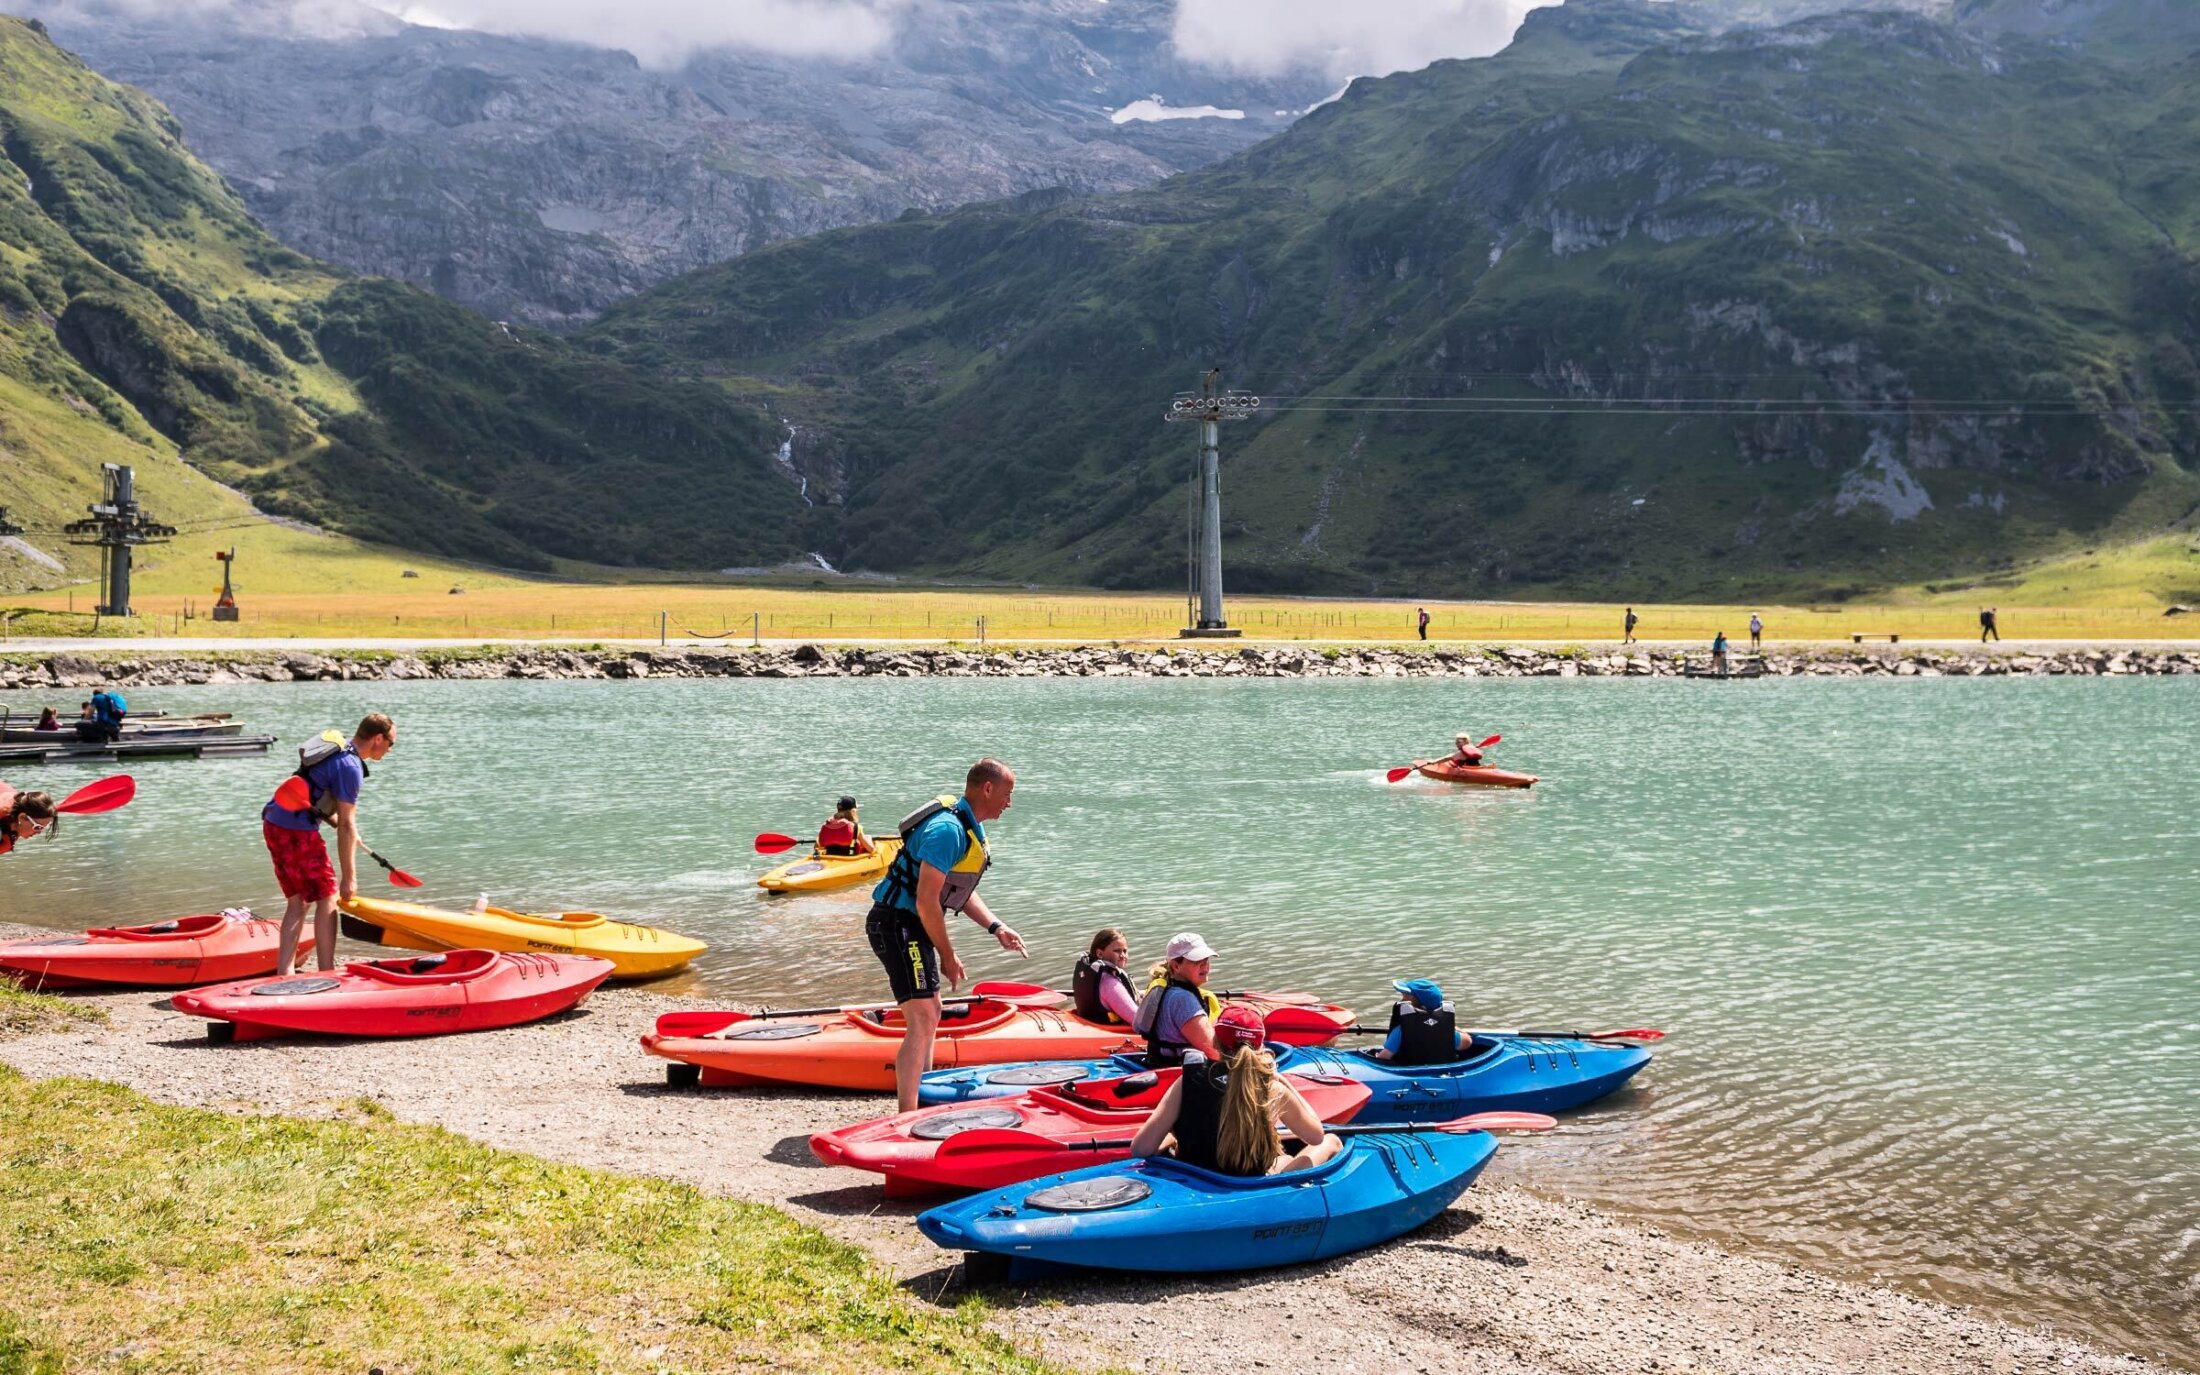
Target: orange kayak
<point>856,1049</point>
<point>1444,771</point>
<point>208,948</point>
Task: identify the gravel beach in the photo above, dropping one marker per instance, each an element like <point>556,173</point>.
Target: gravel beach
<point>1506,1281</point>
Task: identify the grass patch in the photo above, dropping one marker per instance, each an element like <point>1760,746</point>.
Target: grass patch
<point>146,1237</point>
<point>23,1013</point>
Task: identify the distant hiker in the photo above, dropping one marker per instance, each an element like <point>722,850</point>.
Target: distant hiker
<point>1756,631</point>
<point>843,835</point>
<point>1424,622</point>
<point>943,857</point>
<point>1632,621</point>
<point>1718,654</point>
<point>23,815</point>
<point>1987,629</point>
<point>332,769</point>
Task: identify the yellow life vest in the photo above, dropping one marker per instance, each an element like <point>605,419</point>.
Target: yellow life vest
<point>900,886</point>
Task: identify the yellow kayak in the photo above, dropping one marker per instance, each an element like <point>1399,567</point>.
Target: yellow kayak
<point>820,872</point>
<point>635,952</point>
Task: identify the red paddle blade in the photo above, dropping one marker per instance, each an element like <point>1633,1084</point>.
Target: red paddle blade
<point>1248,995</point>
<point>1639,1033</point>
<point>1489,742</point>
<point>404,880</point>
<point>1399,775</point>
<point>1303,1026</point>
<point>1499,1122</point>
<point>698,1023</point>
<point>295,795</point>
<point>102,796</point>
<point>772,843</point>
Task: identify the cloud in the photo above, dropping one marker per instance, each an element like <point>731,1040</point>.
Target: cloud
<point>668,32</point>
<point>1269,37</point>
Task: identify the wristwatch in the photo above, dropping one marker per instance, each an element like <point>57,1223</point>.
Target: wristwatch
<point>994,929</point>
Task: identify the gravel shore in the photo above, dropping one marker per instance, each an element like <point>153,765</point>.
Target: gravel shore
<point>1506,1281</point>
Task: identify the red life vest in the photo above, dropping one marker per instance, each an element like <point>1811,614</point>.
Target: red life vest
<point>839,833</point>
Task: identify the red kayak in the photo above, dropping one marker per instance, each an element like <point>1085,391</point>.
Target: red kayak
<point>1444,771</point>
<point>1001,1141</point>
<point>429,995</point>
<point>211,948</point>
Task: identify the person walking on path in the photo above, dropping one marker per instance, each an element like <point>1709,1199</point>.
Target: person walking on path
<point>1424,622</point>
<point>23,816</point>
<point>1756,632</point>
<point>1718,654</point>
<point>1986,626</point>
<point>1632,619</point>
<point>332,777</point>
<point>943,856</point>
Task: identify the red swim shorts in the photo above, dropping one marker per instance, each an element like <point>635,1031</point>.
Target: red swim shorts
<point>301,862</point>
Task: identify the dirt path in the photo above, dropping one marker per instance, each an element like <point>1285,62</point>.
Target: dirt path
<point>1506,1281</point>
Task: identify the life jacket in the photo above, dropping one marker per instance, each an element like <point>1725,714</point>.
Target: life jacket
<point>837,836</point>
<point>1199,1113</point>
<point>1084,987</point>
<point>312,755</point>
<point>900,886</point>
<point>1425,1038</point>
<point>1160,1053</point>
<point>109,707</point>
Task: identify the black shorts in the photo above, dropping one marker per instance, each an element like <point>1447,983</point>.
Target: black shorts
<point>899,940</point>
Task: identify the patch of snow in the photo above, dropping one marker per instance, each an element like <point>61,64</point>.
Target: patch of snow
<point>2016,245</point>
<point>1497,250</point>
<point>1148,111</point>
<point>1332,98</point>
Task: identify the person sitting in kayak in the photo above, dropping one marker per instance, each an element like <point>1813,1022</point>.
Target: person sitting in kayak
<point>1101,982</point>
<point>1424,1029</point>
<point>1178,1013</point>
<point>1222,1115</point>
<point>1464,751</point>
<point>24,815</point>
<point>843,835</point>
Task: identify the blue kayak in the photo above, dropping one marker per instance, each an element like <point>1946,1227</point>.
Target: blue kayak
<point>1161,1215</point>
<point>1505,1073</point>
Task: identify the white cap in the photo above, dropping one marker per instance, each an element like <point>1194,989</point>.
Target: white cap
<point>1189,945</point>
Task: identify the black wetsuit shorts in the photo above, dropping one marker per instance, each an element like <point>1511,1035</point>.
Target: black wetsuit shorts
<point>912,963</point>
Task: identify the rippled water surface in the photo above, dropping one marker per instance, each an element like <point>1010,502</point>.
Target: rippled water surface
<point>1928,948</point>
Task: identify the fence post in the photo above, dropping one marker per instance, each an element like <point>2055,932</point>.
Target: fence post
<point>663,620</point>
<point>756,630</point>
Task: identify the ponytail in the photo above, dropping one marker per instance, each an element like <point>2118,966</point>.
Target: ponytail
<point>1245,1140</point>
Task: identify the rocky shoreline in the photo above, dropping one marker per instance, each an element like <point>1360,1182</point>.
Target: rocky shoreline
<point>126,669</point>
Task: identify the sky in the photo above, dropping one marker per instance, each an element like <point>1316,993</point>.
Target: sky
<point>1258,37</point>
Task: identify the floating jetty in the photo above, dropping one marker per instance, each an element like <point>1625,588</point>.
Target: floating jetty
<point>70,749</point>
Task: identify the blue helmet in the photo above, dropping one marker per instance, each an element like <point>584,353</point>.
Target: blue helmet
<point>1427,994</point>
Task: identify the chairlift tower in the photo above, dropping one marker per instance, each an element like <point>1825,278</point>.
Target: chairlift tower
<point>117,526</point>
<point>1210,406</point>
<point>226,608</point>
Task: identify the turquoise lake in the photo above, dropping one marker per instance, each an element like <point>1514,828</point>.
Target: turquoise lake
<point>1929,951</point>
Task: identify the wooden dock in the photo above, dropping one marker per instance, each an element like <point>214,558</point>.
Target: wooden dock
<point>71,750</point>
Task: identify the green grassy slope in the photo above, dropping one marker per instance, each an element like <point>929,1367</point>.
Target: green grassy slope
<point>1849,224</point>
<point>145,316</point>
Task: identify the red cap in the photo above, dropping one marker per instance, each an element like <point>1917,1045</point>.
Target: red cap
<point>1239,1026</point>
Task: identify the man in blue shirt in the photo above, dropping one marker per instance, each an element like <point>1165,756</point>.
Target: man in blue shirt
<point>293,837</point>
<point>943,856</point>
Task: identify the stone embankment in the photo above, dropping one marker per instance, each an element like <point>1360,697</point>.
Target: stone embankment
<point>811,661</point>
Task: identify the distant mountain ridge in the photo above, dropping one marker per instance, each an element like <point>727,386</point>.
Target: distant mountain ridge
<point>539,181</point>
<point>1779,308</point>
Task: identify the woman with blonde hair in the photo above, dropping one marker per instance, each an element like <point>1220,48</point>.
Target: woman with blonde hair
<point>1222,1115</point>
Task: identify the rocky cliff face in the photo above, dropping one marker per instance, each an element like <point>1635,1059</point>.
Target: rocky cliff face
<point>540,181</point>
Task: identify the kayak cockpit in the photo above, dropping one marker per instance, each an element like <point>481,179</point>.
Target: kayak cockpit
<point>451,966</point>
<point>180,929</point>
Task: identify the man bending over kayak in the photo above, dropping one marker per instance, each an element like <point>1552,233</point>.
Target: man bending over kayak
<point>293,839</point>
<point>943,856</point>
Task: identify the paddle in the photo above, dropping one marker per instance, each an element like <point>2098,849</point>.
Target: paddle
<point>397,876</point>
<point>1006,1139</point>
<point>1399,775</point>
<point>705,1023</point>
<point>104,795</point>
<point>771,843</point>
<point>1282,1020</point>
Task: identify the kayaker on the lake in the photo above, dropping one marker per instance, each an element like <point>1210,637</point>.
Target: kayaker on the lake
<point>843,835</point>
<point>1178,1014</point>
<point>1424,1029</point>
<point>1222,1114</point>
<point>332,776</point>
<point>1101,982</point>
<point>23,815</point>
<point>1464,750</point>
<point>943,856</point>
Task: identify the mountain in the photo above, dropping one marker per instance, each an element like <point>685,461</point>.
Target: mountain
<point>146,318</point>
<point>540,181</point>
<point>2135,31</point>
<point>1626,308</point>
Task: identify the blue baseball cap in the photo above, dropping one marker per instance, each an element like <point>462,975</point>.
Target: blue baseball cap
<point>1427,994</point>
